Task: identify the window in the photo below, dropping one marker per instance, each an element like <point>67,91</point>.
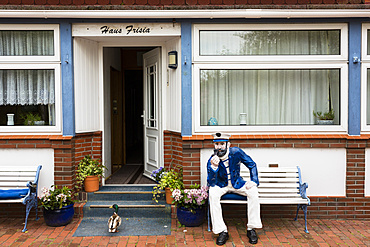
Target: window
<point>365,78</point>
<point>29,78</point>
<point>266,78</point>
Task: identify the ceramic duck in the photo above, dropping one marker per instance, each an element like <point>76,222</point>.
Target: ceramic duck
<point>114,221</point>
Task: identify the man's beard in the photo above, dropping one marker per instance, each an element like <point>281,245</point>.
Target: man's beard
<point>220,152</point>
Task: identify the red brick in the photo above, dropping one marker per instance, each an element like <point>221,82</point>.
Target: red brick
<point>28,2</point>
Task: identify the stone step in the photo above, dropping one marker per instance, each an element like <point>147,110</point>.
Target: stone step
<point>127,209</point>
<point>123,193</point>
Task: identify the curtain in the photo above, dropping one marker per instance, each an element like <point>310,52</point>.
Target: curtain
<point>287,42</point>
<point>276,97</point>
<point>27,87</point>
<point>27,43</point>
<point>267,96</point>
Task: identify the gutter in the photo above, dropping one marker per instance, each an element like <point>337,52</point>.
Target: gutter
<point>178,14</point>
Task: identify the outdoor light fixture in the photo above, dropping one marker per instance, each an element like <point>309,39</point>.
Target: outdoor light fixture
<point>172,59</point>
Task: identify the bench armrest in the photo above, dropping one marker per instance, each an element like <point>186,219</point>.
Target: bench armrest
<point>302,187</point>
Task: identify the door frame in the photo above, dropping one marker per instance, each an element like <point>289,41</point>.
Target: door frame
<point>106,136</point>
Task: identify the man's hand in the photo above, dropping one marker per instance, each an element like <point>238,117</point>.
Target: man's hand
<point>215,160</point>
<point>250,184</point>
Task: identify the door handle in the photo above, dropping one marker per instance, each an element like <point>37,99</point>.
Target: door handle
<point>143,116</point>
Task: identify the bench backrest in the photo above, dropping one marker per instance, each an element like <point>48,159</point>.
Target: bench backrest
<point>12,177</point>
<point>276,182</point>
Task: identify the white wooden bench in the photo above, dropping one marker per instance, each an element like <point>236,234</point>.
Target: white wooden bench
<point>18,184</point>
<point>277,186</point>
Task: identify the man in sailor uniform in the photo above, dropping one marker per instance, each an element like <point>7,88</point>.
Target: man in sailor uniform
<point>224,176</point>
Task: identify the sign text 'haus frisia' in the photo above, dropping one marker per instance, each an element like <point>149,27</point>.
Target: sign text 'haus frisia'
<point>129,29</point>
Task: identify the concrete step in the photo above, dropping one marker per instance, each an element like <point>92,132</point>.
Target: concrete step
<point>123,193</point>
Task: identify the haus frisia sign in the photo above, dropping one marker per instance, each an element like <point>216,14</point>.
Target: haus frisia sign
<point>126,29</point>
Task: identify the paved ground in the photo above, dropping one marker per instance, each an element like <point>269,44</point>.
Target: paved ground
<point>276,232</point>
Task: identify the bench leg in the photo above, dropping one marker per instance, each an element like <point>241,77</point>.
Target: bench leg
<point>304,208</point>
<point>30,202</point>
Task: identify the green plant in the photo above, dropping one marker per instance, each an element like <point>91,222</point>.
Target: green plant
<point>324,116</point>
<point>88,167</point>
<point>30,118</point>
<point>170,179</point>
<point>56,198</point>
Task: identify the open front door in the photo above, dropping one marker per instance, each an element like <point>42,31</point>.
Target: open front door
<point>151,114</point>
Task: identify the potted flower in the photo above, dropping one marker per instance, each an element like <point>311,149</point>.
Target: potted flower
<point>89,173</point>
<point>157,174</point>
<point>170,180</point>
<point>190,204</point>
<point>324,118</point>
<point>57,205</point>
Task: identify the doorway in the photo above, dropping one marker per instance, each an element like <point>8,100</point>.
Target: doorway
<point>126,110</point>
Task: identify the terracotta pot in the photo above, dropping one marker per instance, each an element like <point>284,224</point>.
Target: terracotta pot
<point>91,183</point>
<point>169,197</point>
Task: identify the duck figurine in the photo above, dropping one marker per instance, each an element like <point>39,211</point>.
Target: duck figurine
<point>114,221</point>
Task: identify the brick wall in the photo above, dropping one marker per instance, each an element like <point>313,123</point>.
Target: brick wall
<point>354,205</point>
<point>68,151</point>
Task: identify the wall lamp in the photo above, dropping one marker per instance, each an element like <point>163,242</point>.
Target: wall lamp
<point>172,59</point>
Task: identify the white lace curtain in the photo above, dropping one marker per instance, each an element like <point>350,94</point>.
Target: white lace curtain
<point>269,96</point>
<point>26,87</point>
<point>26,43</point>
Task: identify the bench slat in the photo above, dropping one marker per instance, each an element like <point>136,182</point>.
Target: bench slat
<point>13,184</point>
<point>277,190</point>
<point>18,168</point>
<point>17,174</point>
<point>283,180</point>
<point>12,200</point>
<point>278,185</point>
<point>270,201</point>
<point>17,179</point>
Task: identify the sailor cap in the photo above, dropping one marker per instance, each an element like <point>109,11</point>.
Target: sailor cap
<point>220,137</point>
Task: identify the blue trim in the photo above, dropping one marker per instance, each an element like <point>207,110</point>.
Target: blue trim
<point>186,79</point>
<point>354,78</point>
<point>221,140</point>
<point>66,56</point>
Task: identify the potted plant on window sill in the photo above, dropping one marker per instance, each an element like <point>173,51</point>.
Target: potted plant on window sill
<point>169,181</point>
<point>326,118</point>
<point>89,173</point>
<point>57,205</point>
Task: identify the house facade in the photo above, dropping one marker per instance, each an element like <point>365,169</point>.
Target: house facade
<point>150,81</point>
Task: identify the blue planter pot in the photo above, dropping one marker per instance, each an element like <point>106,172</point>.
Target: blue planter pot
<point>59,217</point>
<point>189,218</point>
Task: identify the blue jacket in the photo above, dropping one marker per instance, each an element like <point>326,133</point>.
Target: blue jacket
<point>236,156</point>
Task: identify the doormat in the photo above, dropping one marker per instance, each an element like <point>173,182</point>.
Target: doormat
<point>98,226</point>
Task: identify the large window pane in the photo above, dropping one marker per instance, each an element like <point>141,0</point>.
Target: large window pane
<point>268,97</point>
<point>29,95</point>
<point>276,42</point>
<point>26,43</point>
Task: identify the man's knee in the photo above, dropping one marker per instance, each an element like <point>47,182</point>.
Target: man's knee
<point>214,194</point>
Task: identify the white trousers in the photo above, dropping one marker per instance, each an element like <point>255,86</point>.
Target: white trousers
<point>215,193</point>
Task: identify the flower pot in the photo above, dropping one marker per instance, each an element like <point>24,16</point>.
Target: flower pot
<point>169,197</point>
<point>324,122</point>
<point>59,217</point>
<point>189,217</point>
<point>91,183</point>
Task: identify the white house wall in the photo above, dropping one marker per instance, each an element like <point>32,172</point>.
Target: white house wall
<point>31,157</point>
<point>172,86</point>
<point>86,81</point>
<point>323,169</point>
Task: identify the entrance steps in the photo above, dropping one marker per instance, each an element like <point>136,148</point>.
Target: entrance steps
<point>136,209</point>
